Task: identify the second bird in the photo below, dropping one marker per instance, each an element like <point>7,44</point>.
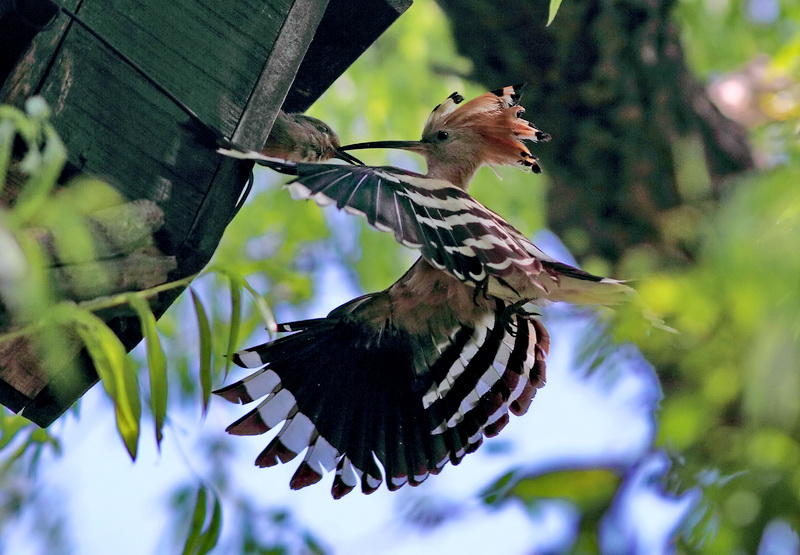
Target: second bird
<point>301,138</point>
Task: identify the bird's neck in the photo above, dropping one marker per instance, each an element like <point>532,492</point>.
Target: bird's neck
<point>459,174</point>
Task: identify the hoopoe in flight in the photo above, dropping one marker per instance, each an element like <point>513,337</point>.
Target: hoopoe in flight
<point>415,376</point>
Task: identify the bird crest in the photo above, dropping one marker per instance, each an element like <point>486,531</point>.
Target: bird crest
<point>440,113</point>
<point>496,120</point>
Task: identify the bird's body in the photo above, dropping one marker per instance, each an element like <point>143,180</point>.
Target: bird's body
<point>415,376</point>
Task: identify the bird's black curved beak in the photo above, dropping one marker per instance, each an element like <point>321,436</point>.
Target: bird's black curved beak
<point>403,145</point>
<point>347,157</point>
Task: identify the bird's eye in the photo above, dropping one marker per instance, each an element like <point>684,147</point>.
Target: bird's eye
<point>442,135</point>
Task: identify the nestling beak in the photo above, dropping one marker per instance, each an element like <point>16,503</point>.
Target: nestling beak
<point>349,158</point>
<point>414,146</point>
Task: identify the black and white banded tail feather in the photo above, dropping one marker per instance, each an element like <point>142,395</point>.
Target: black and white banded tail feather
<point>376,402</point>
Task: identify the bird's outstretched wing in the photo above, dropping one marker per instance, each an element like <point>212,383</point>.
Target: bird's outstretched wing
<point>452,230</point>
<point>364,389</point>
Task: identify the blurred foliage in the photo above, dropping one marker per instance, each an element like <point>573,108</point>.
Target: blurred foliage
<point>732,388</point>
<point>53,328</point>
<point>733,391</point>
<point>721,36</point>
<point>730,412</point>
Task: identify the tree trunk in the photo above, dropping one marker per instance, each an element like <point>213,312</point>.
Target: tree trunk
<point>609,82</point>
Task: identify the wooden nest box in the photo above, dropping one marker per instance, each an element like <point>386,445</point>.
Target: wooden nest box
<point>235,64</point>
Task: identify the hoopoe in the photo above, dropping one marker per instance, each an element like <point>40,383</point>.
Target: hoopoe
<point>301,138</point>
<point>414,376</point>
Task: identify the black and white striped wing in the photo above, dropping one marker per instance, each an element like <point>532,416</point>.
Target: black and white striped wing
<point>452,230</point>
<point>372,402</point>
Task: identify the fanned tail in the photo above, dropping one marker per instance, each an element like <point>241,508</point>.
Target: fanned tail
<point>373,402</point>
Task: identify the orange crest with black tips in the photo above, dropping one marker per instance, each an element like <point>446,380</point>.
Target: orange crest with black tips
<point>496,118</point>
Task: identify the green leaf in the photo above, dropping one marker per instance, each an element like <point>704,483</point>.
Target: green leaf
<point>113,366</point>
<point>27,128</point>
<point>587,489</point>
<point>7,133</point>
<point>10,426</point>
<point>554,5</point>
<point>198,517</point>
<point>236,321</point>
<point>205,349</point>
<point>203,538</point>
<point>156,362</point>
<point>41,181</point>
<point>208,539</point>
<point>263,308</point>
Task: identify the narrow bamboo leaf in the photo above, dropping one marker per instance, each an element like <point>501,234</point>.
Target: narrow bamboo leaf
<point>198,518</point>
<point>42,181</point>
<point>236,321</point>
<point>205,349</point>
<point>129,391</point>
<point>156,363</point>
<point>10,426</point>
<point>554,5</point>
<point>25,126</point>
<point>208,539</point>
<point>7,132</point>
<point>113,367</point>
<point>263,308</point>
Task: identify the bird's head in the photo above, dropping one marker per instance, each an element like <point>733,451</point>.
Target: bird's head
<point>302,138</point>
<point>323,140</point>
<point>459,138</point>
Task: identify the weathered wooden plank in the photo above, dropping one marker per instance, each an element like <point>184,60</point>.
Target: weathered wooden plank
<point>344,33</point>
<point>20,21</point>
<point>31,69</point>
<point>279,72</point>
<point>120,128</point>
<point>208,53</point>
<point>20,381</point>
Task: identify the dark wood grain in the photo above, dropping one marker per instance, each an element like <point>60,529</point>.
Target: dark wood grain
<point>346,31</point>
<point>209,54</point>
<point>232,63</point>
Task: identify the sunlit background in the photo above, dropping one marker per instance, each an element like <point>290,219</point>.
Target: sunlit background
<point>603,459</point>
